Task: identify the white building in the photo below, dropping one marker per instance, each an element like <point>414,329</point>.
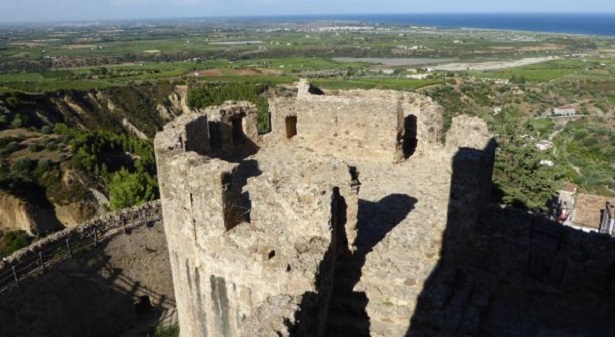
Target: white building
<point>566,110</point>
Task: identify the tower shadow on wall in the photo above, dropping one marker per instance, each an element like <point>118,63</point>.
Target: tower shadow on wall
<point>347,311</point>
<point>503,272</point>
<point>439,310</point>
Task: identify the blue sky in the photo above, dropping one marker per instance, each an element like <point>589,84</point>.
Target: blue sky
<point>53,10</point>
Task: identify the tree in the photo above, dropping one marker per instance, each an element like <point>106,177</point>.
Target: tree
<point>522,180</point>
<point>129,189</point>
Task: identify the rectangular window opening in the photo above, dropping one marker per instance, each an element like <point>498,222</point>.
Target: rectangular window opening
<point>291,126</point>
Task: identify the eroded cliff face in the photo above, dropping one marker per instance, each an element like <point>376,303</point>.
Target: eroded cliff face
<point>14,214</point>
<point>138,110</point>
<point>18,214</point>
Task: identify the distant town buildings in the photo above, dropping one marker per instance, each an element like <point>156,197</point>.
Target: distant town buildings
<point>565,110</point>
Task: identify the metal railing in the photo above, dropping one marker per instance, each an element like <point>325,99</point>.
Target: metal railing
<point>51,251</point>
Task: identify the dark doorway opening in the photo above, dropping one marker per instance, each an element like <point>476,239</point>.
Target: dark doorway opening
<point>409,141</point>
<point>215,136</point>
<point>291,126</point>
<point>238,136</point>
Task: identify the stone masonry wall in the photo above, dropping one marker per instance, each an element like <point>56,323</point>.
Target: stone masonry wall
<point>361,123</point>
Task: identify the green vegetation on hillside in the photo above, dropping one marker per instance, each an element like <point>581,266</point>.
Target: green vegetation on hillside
<point>216,94</point>
<point>126,165</point>
<point>588,145</point>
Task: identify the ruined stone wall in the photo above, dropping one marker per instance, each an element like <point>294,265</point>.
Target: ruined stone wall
<point>251,232</point>
<point>93,291</point>
<point>261,240</point>
<point>216,131</point>
<point>358,123</point>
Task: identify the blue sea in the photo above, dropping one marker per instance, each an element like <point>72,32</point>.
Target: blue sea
<point>586,24</point>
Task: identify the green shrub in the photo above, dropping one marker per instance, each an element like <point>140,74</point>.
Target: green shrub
<point>9,148</point>
<point>43,164</point>
<point>23,165</point>
<point>19,121</point>
<point>167,331</point>
<point>46,129</point>
<point>130,189</point>
<point>580,134</point>
<point>34,147</point>
<point>13,241</point>
<point>51,146</point>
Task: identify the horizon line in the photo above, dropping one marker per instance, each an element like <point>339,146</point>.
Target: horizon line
<point>293,15</point>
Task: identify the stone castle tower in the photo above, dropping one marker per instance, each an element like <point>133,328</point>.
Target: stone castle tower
<point>274,234</point>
